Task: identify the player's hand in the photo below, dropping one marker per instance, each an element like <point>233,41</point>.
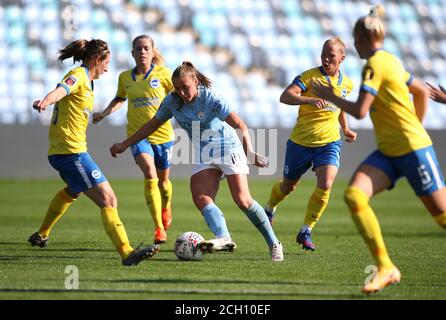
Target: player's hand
<point>117,148</point>
<point>38,105</point>
<point>97,117</point>
<point>437,94</point>
<point>258,160</point>
<point>349,135</point>
<point>320,103</point>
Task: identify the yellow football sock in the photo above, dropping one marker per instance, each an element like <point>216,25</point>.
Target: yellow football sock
<point>166,195</point>
<point>441,220</point>
<point>367,225</point>
<point>316,206</point>
<point>276,196</point>
<point>153,199</point>
<point>116,231</point>
<point>60,203</point>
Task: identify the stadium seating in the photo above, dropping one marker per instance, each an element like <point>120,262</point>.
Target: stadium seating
<point>251,49</point>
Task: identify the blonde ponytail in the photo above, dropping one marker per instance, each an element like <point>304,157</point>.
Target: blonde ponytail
<point>372,25</point>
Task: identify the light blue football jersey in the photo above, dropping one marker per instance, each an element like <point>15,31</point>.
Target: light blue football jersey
<point>203,120</point>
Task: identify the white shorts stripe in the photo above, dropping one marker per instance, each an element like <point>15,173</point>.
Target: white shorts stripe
<point>434,170</point>
<point>82,172</point>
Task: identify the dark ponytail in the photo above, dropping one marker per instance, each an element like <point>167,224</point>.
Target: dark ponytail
<point>83,50</point>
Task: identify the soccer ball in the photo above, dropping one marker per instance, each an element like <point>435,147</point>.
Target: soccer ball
<point>186,246</point>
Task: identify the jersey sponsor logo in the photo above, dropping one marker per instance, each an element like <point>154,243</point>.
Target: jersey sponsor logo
<point>145,102</point>
<point>331,107</point>
<point>154,83</point>
<point>367,73</point>
<point>70,81</point>
<point>96,174</point>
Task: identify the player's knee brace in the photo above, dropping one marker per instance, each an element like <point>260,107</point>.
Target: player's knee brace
<point>355,199</point>
<point>441,220</point>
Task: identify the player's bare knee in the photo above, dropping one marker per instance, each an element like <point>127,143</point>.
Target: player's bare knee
<point>325,185</point>
<point>288,188</point>
<point>201,201</point>
<point>243,202</point>
<point>110,201</point>
<point>162,184</point>
<point>150,174</point>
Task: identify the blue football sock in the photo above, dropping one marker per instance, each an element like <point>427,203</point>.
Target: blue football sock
<point>216,221</point>
<point>258,217</point>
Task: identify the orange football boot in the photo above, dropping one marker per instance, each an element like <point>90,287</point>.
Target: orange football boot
<point>160,236</point>
<point>384,277</point>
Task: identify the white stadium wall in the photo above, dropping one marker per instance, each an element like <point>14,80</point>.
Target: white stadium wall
<point>24,152</point>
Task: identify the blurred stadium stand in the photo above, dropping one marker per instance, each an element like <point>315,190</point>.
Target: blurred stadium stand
<point>251,49</point>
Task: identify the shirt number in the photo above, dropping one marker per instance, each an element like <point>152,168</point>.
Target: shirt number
<point>55,113</point>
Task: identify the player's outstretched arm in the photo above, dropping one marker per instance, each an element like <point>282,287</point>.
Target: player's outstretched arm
<point>114,105</point>
<point>292,96</point>
<point>146,130</point>
<point>51,98</point>
<point>358,109</point>
<point>257,159</point>
<point>420,98</point>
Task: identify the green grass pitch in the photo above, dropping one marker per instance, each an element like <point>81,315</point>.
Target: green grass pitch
<point>336,270</point>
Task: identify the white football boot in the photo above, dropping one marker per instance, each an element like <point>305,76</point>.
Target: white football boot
<point>217,244</point>
<point>276,252</point>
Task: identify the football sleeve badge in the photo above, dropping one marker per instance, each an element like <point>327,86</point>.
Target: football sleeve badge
<point>70,81</point>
